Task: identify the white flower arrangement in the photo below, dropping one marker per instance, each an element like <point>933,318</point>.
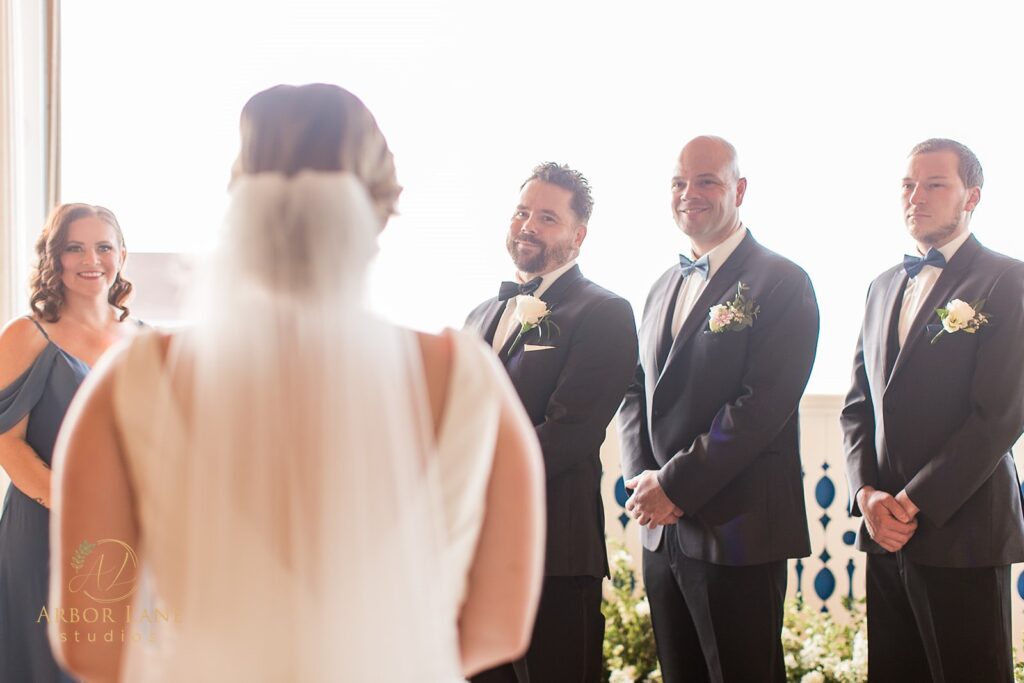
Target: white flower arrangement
<point>531,312</point>
<point>629,654</point>
<point>960,316</point>
<point>816,647</point>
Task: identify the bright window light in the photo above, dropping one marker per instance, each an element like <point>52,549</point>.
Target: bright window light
<point>822,100</point>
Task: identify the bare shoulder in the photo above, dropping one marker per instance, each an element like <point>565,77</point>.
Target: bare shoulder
<point>436,349</point>
<point>21,342</point>
<point>436,352</point>
<point>95,398</point>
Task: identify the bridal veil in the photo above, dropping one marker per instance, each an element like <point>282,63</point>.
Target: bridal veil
<point>302,528</point>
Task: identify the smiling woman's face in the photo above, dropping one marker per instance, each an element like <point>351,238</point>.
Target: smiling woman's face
<point>92,257</point>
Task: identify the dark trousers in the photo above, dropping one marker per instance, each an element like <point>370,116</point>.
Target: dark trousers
<point>567,636</point>
<point>715,623</point>
<point>937,624</point>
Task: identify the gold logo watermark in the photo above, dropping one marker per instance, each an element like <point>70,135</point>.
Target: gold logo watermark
<point>106,572</point>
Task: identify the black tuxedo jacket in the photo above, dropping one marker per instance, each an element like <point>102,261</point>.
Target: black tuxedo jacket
<point>941,423</point>
<point>719,420</point>
<point>571,392</point>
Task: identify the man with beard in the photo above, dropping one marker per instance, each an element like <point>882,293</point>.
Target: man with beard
<point>936,404</point>
<point>570,348</point>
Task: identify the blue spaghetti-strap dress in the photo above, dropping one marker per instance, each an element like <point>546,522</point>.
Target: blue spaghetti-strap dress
<point>43,392</point>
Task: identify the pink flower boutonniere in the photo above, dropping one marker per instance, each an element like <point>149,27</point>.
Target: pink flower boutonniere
<point>735,315</point>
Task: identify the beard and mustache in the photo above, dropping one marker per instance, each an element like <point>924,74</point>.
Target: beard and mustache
<point>546,258</point>
<point>940,234</point>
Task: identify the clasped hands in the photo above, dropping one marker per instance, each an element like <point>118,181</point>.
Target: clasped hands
<point>891,520</point>
<point>649,504</point>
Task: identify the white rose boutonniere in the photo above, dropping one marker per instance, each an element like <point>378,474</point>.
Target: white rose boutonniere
<point>531,312</point>
<point>959,316</point>
<point>733,316</point>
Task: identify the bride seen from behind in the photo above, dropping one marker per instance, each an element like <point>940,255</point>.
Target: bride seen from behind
<point>308,493</point>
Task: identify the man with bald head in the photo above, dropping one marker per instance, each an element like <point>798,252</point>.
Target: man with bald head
<point>710,438</point>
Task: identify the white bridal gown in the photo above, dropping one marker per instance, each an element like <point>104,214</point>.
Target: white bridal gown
<point>460,469</point>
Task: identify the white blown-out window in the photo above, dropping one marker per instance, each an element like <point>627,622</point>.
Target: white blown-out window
<point>823,102</point>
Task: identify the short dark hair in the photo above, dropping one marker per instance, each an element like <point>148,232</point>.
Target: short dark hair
<point>561,175</point>
<point>969,168</point>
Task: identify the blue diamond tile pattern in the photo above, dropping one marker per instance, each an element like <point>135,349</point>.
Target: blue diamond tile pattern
<point>824,584</point>
<point>621,492</point>
<point>825,492</point>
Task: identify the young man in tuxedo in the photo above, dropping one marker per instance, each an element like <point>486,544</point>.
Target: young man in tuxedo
<point>936,404</point>
<point>570,369</point>
<point>710,437</point>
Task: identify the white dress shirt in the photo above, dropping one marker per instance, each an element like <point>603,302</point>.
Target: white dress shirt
<point>693,286</point>
<point>919,287</point>
<point>505,324</point>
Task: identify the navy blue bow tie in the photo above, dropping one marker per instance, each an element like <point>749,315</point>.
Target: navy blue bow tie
<point>914,264</point>
<point>511,289</point>
<point>701,266</point>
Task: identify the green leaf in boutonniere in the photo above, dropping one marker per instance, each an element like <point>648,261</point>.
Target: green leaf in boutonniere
<point>959,316</point>
<point>532,313</point>
<point>735,315</point>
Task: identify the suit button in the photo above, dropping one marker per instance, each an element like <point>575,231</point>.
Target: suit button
<point>655,413</point>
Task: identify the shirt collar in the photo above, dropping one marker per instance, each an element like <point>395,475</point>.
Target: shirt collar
<point>950,248</point>
<point>721,253</point>
<point>547,279</point>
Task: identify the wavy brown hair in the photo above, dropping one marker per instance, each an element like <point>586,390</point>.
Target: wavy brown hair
<point>317,127</point>
<point>47,283</point>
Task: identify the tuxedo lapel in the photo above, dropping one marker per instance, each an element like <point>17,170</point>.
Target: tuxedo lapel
<point>555,293</point>
<point>889,329</point>
<point>723,282</point>
<point>661,335</point>
<point>951,278</point>
<point>488,322</point>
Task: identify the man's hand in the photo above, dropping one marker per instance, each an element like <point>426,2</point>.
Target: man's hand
<point>903,499</point>
<point>889,522</point>
<point>649,504</point>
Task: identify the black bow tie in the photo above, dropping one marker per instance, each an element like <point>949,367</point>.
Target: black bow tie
<point>915,264</point>
<point>511,289</point>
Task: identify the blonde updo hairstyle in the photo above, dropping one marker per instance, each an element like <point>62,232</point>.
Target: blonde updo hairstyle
<point>317,127</point>
<point>47,284</point>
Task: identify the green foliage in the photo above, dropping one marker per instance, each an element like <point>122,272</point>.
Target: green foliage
<point>812,641</point>
<point>817,647</point>
<point>629,655</point>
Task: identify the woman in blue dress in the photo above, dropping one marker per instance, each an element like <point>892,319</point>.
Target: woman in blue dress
<point>78,312</point>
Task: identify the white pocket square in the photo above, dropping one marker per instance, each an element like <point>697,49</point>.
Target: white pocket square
<point>534,347</point>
